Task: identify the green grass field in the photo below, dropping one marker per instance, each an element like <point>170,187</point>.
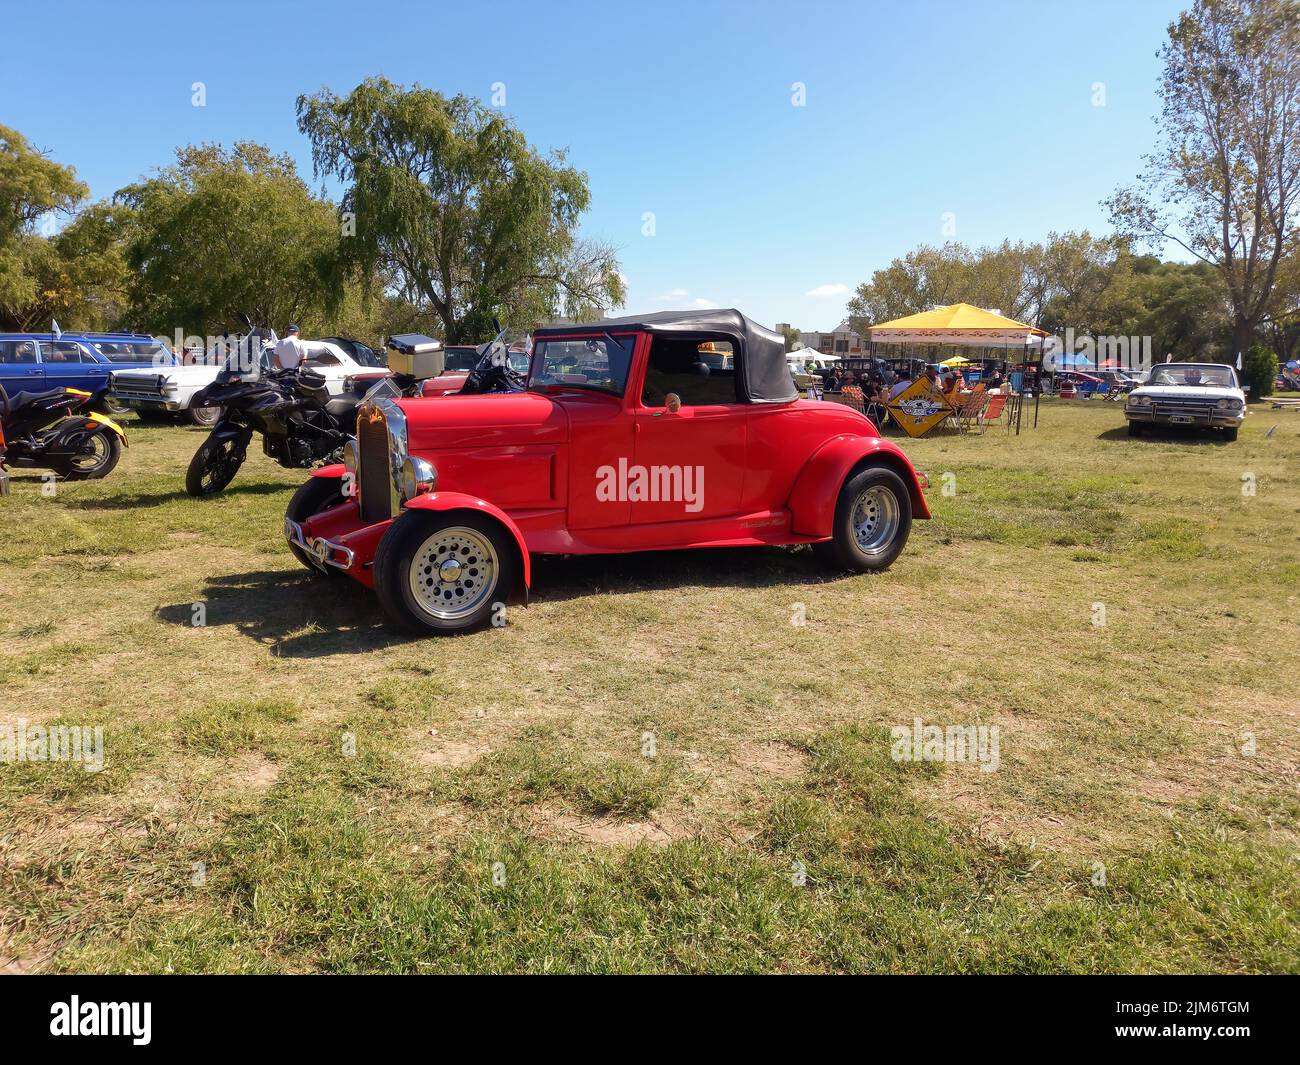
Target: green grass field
<point>296,786</point>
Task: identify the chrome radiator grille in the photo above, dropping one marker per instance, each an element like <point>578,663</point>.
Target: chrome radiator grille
<point>1190,407</point>
<point>374,476</point>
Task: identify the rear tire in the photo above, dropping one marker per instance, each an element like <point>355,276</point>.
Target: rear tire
<point>873,518</point>
<point>107,450</point>
<point>313,496</point>
<point>213,466</point>
<point>477,571</point>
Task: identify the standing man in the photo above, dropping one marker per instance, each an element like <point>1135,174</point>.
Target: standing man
<point>291,351</point>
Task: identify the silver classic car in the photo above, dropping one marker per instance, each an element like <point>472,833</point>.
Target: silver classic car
<point>1196,394</point>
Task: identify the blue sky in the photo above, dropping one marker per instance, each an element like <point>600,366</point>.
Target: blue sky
<point>914,111</point>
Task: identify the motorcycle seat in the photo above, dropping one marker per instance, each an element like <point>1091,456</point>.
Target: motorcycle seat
<point>25,399</point>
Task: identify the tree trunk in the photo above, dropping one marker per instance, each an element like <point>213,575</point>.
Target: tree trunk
<point>1243,335</point>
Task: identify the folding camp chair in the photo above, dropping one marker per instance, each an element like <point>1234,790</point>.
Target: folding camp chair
<point>969,411</point>
<point>992,410</point>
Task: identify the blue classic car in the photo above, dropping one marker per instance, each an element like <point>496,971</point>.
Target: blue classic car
<point>35,362</point>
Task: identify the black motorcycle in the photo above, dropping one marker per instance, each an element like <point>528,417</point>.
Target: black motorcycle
<point>300,422</point>
<point>57,430</point>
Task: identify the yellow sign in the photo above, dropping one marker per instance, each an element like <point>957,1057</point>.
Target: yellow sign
<point>918,409</point>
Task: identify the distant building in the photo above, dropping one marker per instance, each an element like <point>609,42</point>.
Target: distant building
<point>843,341</point>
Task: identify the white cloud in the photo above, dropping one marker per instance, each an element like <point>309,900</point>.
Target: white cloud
<point>680,299</point>
<point>827,291</point>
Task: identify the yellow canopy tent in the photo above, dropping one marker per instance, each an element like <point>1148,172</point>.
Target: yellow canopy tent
<point>962,326</point>
<point>957,324</point>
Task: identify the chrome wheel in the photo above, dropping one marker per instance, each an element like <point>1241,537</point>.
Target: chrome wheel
<point>875,520</point>
<point>453,573</point>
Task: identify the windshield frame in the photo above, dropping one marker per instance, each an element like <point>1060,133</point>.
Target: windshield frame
<point>537,358</point>
<point>1181,368</point>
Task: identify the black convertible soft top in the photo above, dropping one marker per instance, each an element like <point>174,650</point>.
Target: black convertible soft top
<point>760,353</point>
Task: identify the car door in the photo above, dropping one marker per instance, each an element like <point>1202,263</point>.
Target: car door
<point>68,364</point>
<point>689,461</point>
<point>20,367</point>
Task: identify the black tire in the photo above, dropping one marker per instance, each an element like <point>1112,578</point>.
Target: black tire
<point>843,551</point>
<point>1230,434</point>
<point>204,417</point>
<point>107,450</point>
<point>313,496</point>
<point>1134,429</point>
<point>397,555</point>
<point>214,466</point>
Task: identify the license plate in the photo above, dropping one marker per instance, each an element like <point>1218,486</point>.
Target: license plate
<point>1181,419</point>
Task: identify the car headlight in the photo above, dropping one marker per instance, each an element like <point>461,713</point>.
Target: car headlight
<point>1227,403</point>
<point>418,477</point>
<point>1139,401</point>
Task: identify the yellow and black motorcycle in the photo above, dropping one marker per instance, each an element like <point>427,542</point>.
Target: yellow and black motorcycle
<point>57,430</point>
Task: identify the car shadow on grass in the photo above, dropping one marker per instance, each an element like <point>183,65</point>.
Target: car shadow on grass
<point>155,499</point>
<point>557,578</point>
<point>292,613</point>
<point>297,615</point>
<point>1174,434</point>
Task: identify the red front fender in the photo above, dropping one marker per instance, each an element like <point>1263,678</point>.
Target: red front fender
<point>441,501</point>
<point>812,500</point>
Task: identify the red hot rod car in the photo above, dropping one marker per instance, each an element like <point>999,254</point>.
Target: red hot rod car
<point>663,431</point>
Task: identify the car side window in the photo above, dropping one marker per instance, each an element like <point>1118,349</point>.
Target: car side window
<point>61,351</point>
<point>17,352</point>
<point>701,372</point>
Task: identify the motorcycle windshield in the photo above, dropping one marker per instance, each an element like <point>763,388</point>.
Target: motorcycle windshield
<point>382,389</point>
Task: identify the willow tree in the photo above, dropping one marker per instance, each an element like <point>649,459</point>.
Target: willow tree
<point>1224,183</point>
<point>448,202</point>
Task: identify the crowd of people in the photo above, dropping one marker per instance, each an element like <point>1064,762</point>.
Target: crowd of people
<point>886,385</point>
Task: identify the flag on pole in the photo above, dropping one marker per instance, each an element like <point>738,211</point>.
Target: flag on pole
<point>1238,360</point>
<point>55,331</point>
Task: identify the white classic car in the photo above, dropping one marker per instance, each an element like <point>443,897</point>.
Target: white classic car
<point>167,391</point>
<point>1196,394</point>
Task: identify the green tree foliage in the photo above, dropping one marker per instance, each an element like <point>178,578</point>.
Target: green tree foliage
<point>224,231</point>
<point>1225,181</point>
<point>456,210</point>
<point>1068,273</point>
<point>1259,371</point>
<point>32,188</point>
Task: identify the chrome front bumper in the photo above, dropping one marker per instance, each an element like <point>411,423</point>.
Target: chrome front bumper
<point>322,552</point>
<point>1216,420</point>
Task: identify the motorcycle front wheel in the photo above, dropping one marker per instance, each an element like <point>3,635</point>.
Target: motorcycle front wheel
<point>213,466</point>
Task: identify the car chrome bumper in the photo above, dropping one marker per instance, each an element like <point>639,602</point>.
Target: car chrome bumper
<point>1217,420</point>
<point>322,552</point>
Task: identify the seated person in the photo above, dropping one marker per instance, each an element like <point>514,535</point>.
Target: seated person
<point>903,383</point>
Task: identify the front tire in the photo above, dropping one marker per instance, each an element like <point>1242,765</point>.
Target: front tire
<point>873,518</point>
<point>204,417</point>
<point>1134,429</point>
<point>213,466</point>
<point>439,574</point>
<point>1230,434</point>
<point>315,495</point>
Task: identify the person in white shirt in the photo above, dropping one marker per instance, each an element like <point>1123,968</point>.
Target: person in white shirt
<point>903,383</point>
<point>290,351</point>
